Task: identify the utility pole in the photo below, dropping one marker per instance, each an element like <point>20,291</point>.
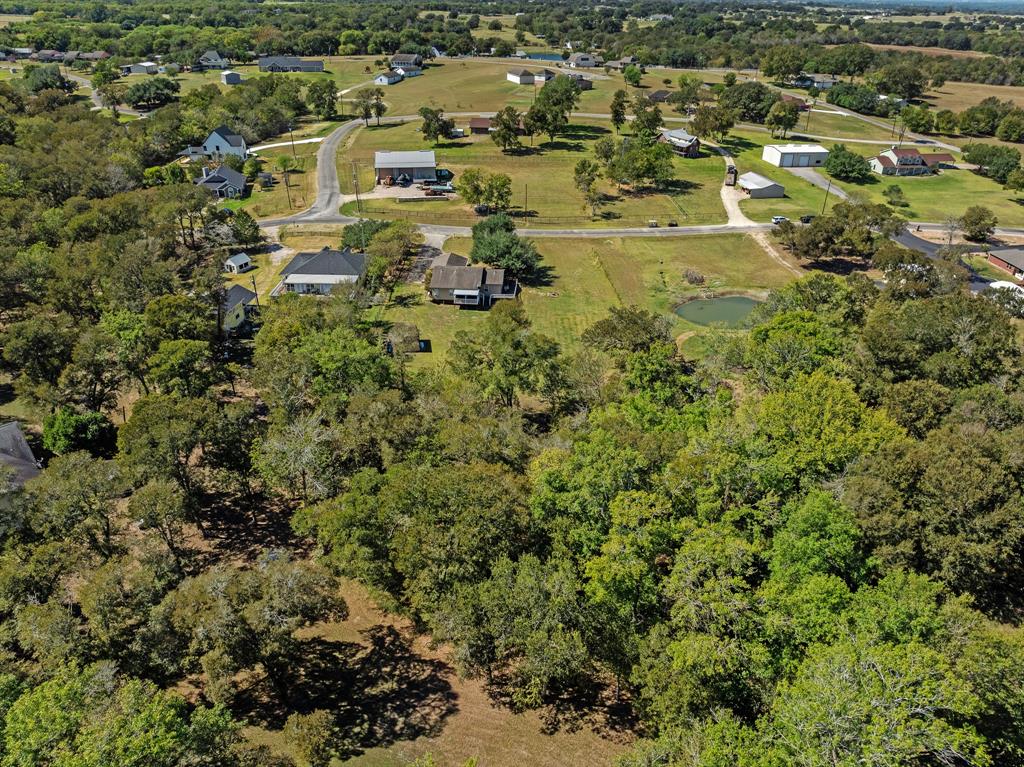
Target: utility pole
<point>355,184</point>
<point>290,127</point>
<point>252,278</point>
<point>825,201</point>
<point>526,199</point>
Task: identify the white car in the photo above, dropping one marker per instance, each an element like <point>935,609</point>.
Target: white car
<point>779,219</point>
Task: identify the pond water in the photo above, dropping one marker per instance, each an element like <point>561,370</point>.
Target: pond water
<point>727,310</point>
<point>544,56</point>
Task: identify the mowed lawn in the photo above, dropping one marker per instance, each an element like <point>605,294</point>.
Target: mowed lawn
<point>542,179</point>
<point>586,277</point>
<point>802,197</point>
<point>949,193</point>
<point>280,200</point>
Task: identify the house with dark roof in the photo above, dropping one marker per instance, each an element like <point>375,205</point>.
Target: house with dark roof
<point>223,141</point>
<point>908,161</point>
<point>406,60</point>
<point>289,64</point>
<point>409,70</point>
<point>454,281</point>
<point>236,307</point>
<point>223,182</point>
<point>621,64</point>
<point>1009,260</point>
<point>211,60</point>
<point>584,60</point>
<point>16,457</point>
<point>583,83</point>
<point>815,80</point>
<point>659,96</point>
<point>682,143</point>
<point>320,272</point>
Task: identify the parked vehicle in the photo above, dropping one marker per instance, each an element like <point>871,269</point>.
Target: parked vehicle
<point>779,220</point>
<point>652,224</point>
<point>444,175</point>
<point>672,222</point>
<point>806,219</point>
<point>482,210</point>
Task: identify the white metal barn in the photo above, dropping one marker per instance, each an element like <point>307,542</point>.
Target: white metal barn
<point>795,155</point>
<point>759,187</point>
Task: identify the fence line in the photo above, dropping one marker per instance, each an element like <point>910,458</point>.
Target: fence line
<point>425,217</point>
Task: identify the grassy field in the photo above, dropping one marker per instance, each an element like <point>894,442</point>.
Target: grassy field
<point>588,276</point>
<point>959,96</point>
<point>280,200</point>
<point>480,85</point>
<point>508,32</point>
<point>839,126</point>
<point>802,197</point>
<point>950,193</point>
<point>542,179</point>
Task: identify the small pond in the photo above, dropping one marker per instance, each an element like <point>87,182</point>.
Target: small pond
<point>727,310</point>
<point>544,56</point>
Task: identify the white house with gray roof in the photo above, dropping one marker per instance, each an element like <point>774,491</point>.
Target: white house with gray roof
<point>320,272</point>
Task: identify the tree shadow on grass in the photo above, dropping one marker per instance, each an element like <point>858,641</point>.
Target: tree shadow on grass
<point>736,144</point>
<point>379,692</point>
<point>590,704</point>
<point>840,265</point>
<point>680,186</point>
<point>579,132</point>
<point>541,277</point>
<point>241,527</point>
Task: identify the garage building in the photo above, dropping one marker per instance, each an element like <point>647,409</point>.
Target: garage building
<point>759,187</point>
<point>795,155</point>
<point>418,165</point>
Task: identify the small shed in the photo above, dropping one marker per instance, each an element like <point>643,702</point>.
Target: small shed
<point>230,77</point>
<point>480,125</point>
<point>238,263</point>
<point>759,187</point>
